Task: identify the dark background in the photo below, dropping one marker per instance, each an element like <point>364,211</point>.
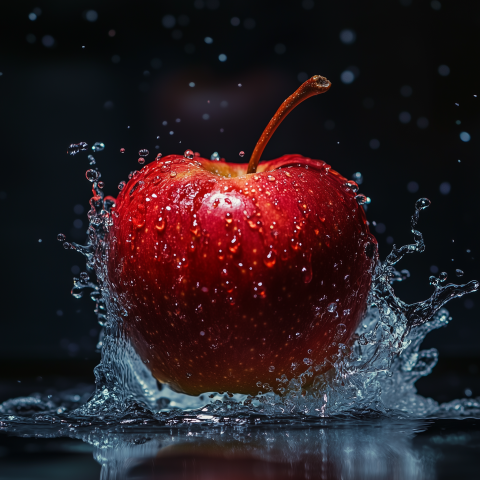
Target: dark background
<point>405,77</point>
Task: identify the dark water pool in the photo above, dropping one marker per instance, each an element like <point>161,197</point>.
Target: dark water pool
<point>327,449</point>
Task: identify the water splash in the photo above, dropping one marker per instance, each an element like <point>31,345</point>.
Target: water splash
<point>374,374</point>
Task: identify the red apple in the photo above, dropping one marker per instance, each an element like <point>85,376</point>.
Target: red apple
<point>230,280</point>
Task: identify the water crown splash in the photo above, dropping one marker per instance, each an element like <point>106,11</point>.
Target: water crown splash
<point>374,373</point>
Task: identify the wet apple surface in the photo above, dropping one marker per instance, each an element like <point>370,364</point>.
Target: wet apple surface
<point>236,277</point>
<point>230,282</point>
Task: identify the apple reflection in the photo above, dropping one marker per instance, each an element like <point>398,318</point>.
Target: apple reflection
<point>337,450</point>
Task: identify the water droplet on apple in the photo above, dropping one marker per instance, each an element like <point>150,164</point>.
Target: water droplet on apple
<point>332,307</point>
<point>141,160</point>
<point>173,174</point>
<point>261,290</point>
<point>92,175</point>
<point>353,186</point>
<point>307,273</point>
<point>188,154</point>
<point>361,199</point>
<point>139,217</point>
<point>271,178</point>
<point>61,237</point>
<point>160,224</point>
<point>270,259</point>
<point>231,301</point>
<point>165,168</point>
<point>242,153</point>
<point>221,255</point>
<point>97,146</point>
<point>196,229</point>
<point>143,152</point>
<point>271,369</point>
<point>188,375</point>
<point>215,156</point>
<point>121,185</point>
<point>234,245</point>
<point>228,218</point>
<point>252,224</point>
<point>256,178</point>
<point>341,329</point>
<point>122,150</point>
<point>295,244</point>
<point>459,272</point>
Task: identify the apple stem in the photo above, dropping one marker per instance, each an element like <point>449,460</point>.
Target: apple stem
<point>315,85</point>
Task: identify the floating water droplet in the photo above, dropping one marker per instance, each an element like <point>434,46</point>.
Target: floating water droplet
<point>61,237</point>
<point>459,272</point>
<point>101,184</point>
<point>97,146</point>
<point>143,152</point>
<point>358,178</point>
<point>122,150</point>
<point>92,175</point>
<point>121,185</point>
<point>271,178</point>
<point>332,307</point>
<point>92,159</point>
<point>67,245</point>
<point>73,149</point>
<point>215,156</point>
<point>443,276</point>
<point>84,276</point>
<point>242,153</point>
<point>141,160</point>
<point>188,154</point>
<point>422,203</point>
<point>159,156</point>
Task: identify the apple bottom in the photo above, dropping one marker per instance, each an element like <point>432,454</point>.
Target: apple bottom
<point>251,346</point>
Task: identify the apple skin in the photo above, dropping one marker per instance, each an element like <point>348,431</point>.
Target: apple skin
<point>222,278</point>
